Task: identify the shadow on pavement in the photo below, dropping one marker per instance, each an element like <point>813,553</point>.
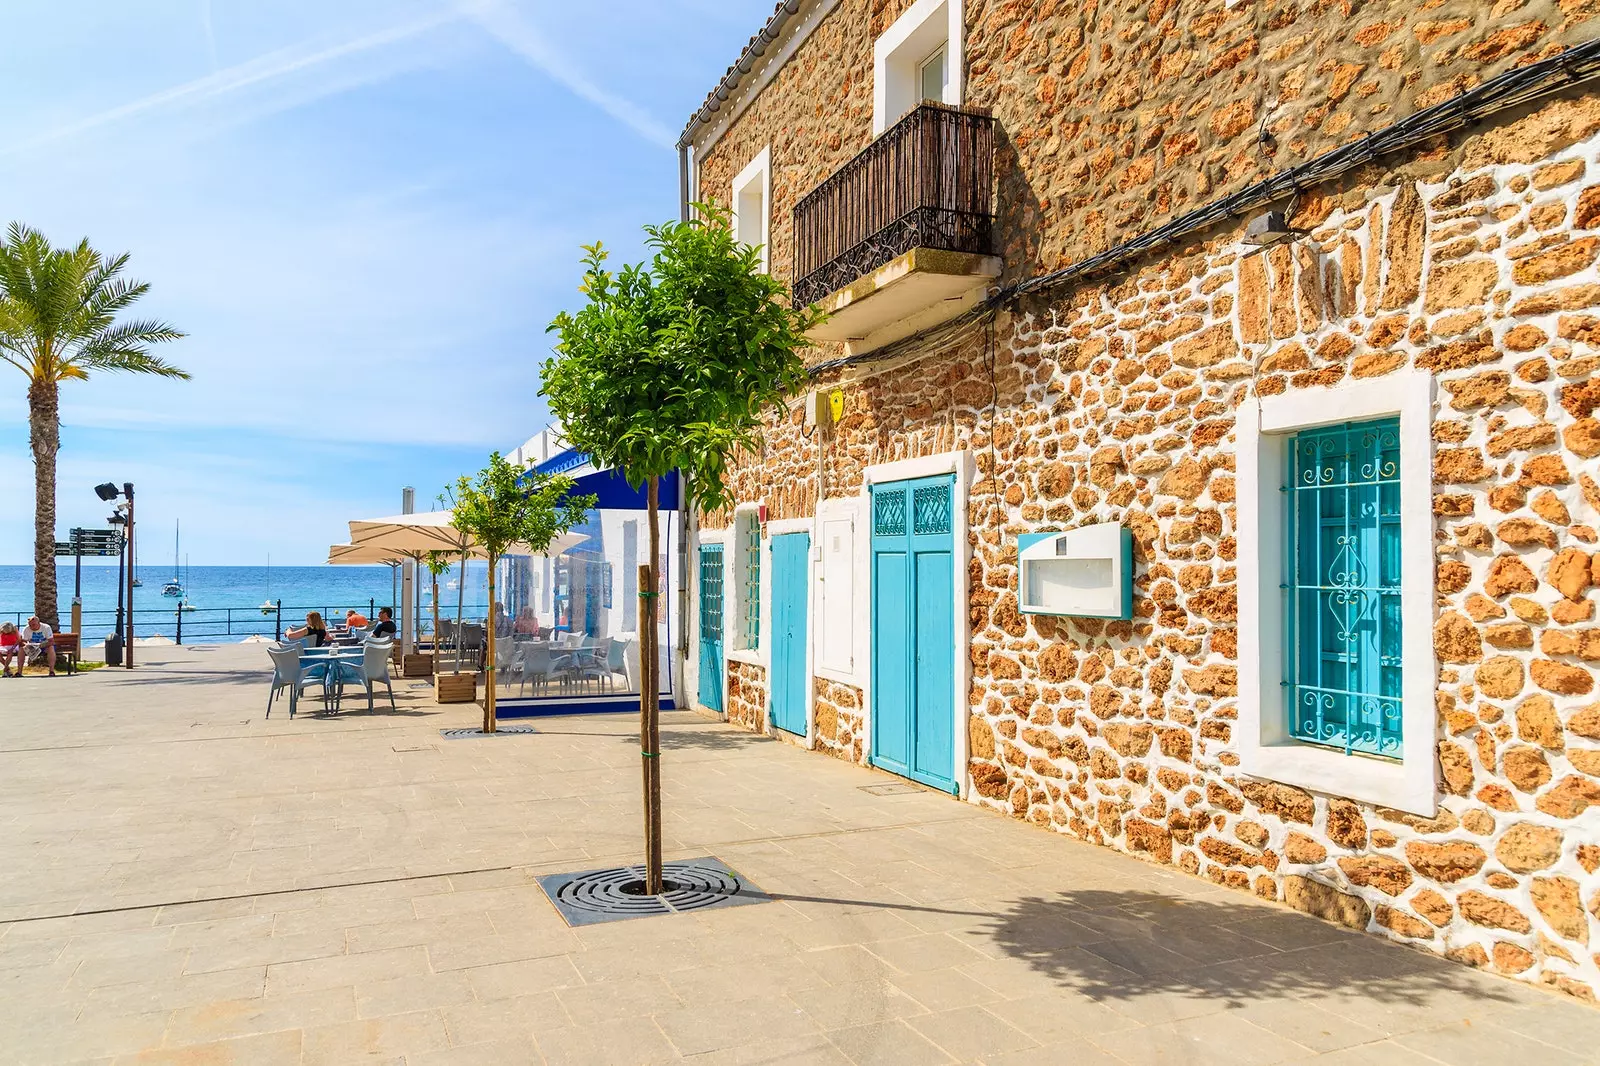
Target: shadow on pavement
<point>112,675</point>
<point>1128,945</point>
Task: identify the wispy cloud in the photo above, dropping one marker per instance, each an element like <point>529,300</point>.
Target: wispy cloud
<point>279,64</point>
<point>522,38</point>
<point>210,33</point>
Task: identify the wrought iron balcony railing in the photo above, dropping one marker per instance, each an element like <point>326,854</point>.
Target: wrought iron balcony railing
<point>927,182</point>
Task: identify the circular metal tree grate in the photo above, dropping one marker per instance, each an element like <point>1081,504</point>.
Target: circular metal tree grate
<point>500,731</point>
<point>607,895</point>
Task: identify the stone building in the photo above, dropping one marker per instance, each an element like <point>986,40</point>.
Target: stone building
<point>1295,303</point>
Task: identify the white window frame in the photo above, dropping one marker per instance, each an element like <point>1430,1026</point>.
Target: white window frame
<point>962,465</point>
<point>898,55</point>
<point>758,172</point>
<point>745,516</point>
<point>1262,742</point>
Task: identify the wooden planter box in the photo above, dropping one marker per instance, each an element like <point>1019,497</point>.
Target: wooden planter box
<point>455,688</point>
<point>417,665</point>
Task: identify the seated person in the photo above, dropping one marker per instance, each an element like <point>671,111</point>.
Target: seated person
<point>385,629</point>
<point>10,649</point>
<point>527,624</point>
<point>38,642</point>
<point>354,619</point>
<point>314,633</point>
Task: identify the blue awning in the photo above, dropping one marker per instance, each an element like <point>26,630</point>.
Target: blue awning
<point>617,495</point>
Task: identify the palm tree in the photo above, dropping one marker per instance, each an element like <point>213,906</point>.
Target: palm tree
<point>58,310</point>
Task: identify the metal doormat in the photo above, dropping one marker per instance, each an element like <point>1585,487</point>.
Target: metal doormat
<point>615,894</point>
<point>894,789</point>
<point>500,731</point>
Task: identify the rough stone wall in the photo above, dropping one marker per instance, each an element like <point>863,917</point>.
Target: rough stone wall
<point>1474,260</point>
<point>839,720</point>
<point>747,696</point>
<point>1114,117</point>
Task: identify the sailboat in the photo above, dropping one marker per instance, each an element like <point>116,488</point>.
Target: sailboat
<point>173,587</point>
<point>267,606</point>
<point>184,604</point>
<point>138,584</point>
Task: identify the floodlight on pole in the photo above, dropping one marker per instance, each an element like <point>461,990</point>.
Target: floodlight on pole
<point>123,516</point>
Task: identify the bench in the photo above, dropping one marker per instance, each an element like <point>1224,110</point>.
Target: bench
<point>68,650</point>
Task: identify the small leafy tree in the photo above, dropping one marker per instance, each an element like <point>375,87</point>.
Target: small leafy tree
<point>671,367</point>
<point>506,506</point>
<point>58,322</point>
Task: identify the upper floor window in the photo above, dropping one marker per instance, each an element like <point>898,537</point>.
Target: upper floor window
<point>752,205</point>
<point>934,76</point>
<point>918,58</point>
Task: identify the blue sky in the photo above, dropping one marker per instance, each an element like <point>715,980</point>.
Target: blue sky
<point>363,212</point>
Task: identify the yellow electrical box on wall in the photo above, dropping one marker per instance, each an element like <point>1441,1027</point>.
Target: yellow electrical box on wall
<point>836,404</point>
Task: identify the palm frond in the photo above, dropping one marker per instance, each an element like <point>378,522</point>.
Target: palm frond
<point>136,332</point>
<point>59,307</point>
<point>128,360</point>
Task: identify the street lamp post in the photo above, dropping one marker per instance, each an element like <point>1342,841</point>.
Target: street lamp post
<point>109,492</point>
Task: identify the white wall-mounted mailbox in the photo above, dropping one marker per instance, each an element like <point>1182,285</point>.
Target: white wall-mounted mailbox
<point>1087,572</point>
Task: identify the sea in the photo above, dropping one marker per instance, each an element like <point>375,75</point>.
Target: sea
<point>228,600</point>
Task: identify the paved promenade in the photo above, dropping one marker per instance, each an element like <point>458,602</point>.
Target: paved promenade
<point>183,881</point>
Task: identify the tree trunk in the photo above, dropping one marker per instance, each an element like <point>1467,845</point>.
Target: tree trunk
<point>435,601</point>
<point>461,601</point>
<point>44,433</point>
<point>649,701</point>
<point>488,695</point>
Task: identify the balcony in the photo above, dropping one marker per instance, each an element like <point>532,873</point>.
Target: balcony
<point>901,238</point>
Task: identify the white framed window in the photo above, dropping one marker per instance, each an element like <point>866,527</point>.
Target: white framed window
<point>1336,663</point>
<point>917,58</point>
<point>746,580</point>
<point>752,205</point>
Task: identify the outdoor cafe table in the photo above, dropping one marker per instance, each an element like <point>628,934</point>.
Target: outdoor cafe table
<point>333,676</point>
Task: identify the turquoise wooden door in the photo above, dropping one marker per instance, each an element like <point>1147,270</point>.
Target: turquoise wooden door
<point>913,629</point>
<point>789,556</point>
<point>711,627</point>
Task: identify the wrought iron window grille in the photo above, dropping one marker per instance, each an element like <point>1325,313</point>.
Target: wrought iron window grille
<point>1343,665</point>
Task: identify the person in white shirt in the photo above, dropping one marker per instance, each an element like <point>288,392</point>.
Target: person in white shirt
<point>38,642</point>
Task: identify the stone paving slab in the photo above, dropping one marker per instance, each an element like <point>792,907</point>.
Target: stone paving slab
<point>183,880</point>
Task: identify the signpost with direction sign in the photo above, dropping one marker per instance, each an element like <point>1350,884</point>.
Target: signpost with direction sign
<point>93,543</point>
